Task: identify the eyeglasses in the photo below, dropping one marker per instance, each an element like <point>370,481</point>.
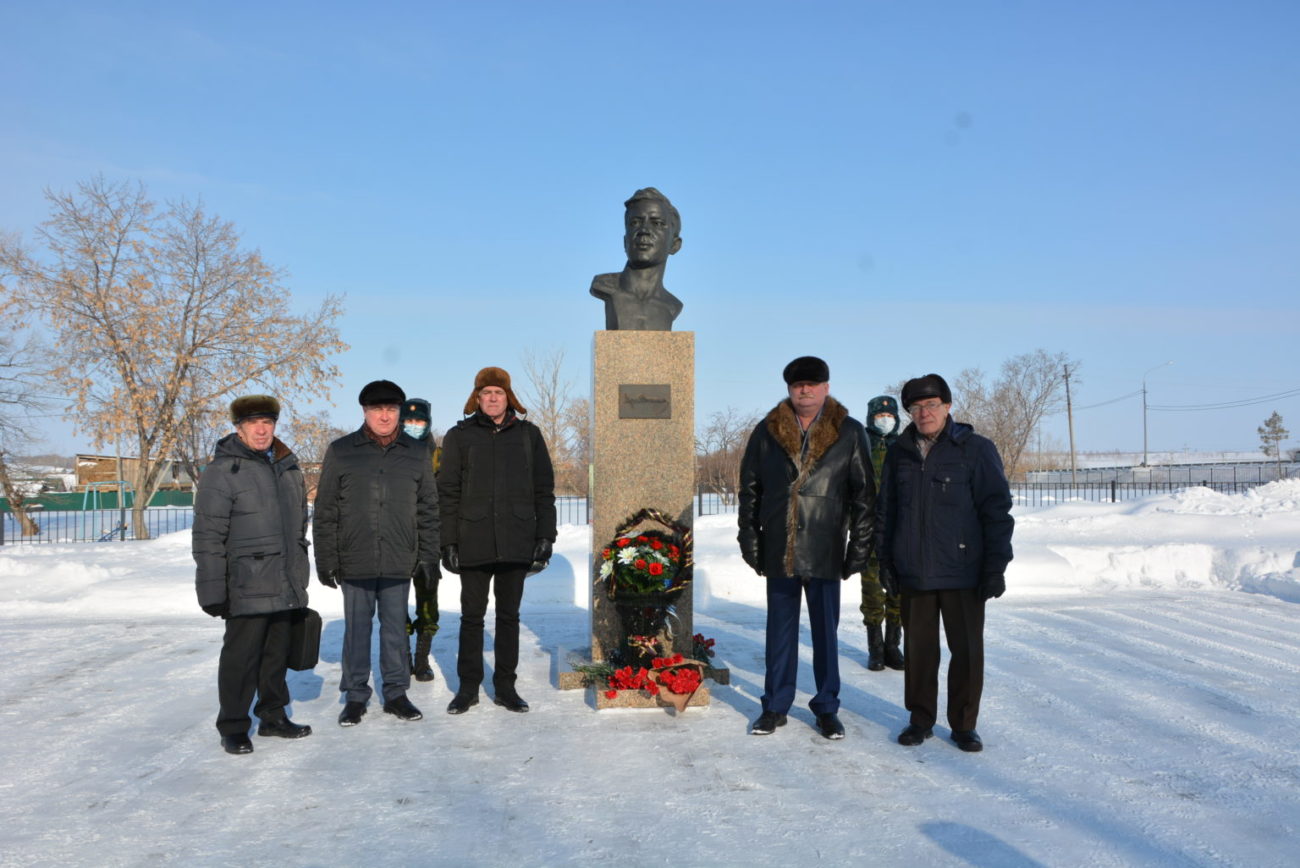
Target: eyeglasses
<point>927,407</point>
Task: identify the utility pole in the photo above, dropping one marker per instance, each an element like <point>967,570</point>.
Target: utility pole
<point>1069,415</point>
<point>1144,409</point>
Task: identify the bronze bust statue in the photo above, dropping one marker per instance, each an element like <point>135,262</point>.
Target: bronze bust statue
<point>635,298</point>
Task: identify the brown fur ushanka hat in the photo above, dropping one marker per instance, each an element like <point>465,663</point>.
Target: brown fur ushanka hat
<point>493,377</point>
<point>249,406</point>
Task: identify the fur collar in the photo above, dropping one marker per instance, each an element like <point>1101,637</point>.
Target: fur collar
<point>785,430</point>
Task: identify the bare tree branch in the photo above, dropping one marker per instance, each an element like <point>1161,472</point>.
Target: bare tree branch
<point>169,318</point>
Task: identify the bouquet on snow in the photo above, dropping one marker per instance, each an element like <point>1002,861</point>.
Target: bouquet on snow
<point>639,563</point>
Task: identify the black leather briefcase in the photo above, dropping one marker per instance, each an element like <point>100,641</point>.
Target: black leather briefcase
<point>304,639</point>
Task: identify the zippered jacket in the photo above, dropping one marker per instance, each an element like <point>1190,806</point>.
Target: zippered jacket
<point>496,490</point>
<point>376,511</point>
<point>250,530</point>
<point>945,519</point>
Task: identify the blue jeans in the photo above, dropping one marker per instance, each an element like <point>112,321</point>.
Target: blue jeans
<point>361,599</point>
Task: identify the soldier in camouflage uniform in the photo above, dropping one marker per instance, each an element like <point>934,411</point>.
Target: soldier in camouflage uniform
<point>883,426</point>
<point>415,422</point>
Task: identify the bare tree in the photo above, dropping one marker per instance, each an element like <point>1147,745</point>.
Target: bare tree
<point>309,435</point>
<point>719,449</point>
<point>565,422</point>
<point>546,395</point>
<point>19,352</point>
<point>199,432</point>
<point>164,315</point>
<point>1271,435</point>
<point>1009,409</point>
<point>575,478</point>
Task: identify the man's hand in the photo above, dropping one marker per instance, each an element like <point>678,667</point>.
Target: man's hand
<point>753,562</point>
<point>426,576</point>
<point>992,586</point>
<point>218,610</point>
<point>451,558</point>
<point>329,578</point>
<point>542,550</point>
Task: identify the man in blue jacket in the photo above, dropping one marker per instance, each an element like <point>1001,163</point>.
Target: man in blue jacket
<point>944,543</point>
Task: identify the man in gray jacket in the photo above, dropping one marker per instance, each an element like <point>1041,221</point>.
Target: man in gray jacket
<point>250,545</point>
<point>376,529</point>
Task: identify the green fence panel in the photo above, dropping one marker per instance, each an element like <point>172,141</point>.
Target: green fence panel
<point>75,500</point>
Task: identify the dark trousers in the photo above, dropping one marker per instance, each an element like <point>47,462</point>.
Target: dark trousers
<point>782,649</point>
<point>361,599</point>
<point>254,657</point>
<point>962,612</point>
<point>507,591</point>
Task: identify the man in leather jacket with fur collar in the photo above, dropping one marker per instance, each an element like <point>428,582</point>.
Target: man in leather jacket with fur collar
<point>806,519</point>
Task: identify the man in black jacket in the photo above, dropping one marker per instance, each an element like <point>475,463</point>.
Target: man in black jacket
<point>250,545</point>
<point>376,529</point>
<point>805,485</point>
<point>496,490</point>
<point>944,542</point>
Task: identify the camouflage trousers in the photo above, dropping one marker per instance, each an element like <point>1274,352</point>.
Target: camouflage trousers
<point>426,612</point>
<point>876,605</point>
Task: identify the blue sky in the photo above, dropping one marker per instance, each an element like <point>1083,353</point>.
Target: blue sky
<point>897,187</point>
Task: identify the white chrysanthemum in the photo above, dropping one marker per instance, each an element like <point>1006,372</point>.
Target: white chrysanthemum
<point>606,569</point>
<point>627,555</point>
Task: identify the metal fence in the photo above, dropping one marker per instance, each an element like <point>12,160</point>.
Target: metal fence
<point>1048,493</point>
<point>93,525</point>
<point>1255,473</point>
<point>108,525</point>
<point>576,509</point>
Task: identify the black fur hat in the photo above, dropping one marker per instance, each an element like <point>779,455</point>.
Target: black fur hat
<point>806,369</point>
<point>929,386</point>
<point>254,405</point>
<point>381,392</point>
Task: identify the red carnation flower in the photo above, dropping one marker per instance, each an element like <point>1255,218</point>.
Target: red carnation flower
<point>656,544</point>
<point>639,563</point>
<point>656,569</point>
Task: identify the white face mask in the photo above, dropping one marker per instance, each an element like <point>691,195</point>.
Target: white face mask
<point>416,431</point>
<point>884,423</point>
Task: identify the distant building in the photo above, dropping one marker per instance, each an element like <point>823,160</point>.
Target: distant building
<point>104,468</point>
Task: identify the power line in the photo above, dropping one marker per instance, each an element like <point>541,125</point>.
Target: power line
<point>1099,404</point>
<point>1244,402</point>
<point>1111,401</point>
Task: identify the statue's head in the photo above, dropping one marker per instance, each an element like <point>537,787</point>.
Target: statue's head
<point>652,228</point>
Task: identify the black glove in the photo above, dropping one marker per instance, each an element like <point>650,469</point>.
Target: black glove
<point>426,575</point>
<point>753,561</point>
<point>541,556</point>
<point>218,610</point>
<point>992,586</point>
<point>888,581</point>
<point>329,578</point>
<point>451,558</point>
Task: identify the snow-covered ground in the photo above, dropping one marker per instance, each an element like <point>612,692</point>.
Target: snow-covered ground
<point>1141,707</point>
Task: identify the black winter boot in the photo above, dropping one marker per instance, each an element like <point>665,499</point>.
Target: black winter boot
<point>893,654</point>
<point>875,648</point>
<point>420,667</point>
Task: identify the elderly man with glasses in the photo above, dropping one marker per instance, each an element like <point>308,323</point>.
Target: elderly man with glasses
<point>944,542</point>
